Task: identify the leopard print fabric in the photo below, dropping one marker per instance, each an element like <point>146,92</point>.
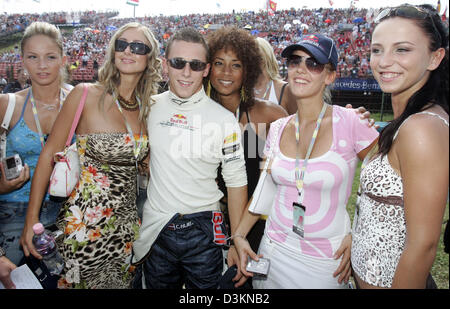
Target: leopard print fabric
<point>380,231</point>
<point>99,220</point>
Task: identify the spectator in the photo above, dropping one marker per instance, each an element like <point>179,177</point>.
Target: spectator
<point>27,134</point>
<point>183,232</point>
<point>395,238</point>
<point>20,83</point>
<point>305,249</point>
<point>231,83</point>
<point>273,87</point>
<point>3,83</point>
<point>99,219</point>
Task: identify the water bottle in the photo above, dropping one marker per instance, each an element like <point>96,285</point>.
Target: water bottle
<point>45,245</point>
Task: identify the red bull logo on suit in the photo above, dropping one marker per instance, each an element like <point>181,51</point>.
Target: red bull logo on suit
<point>219,236</point>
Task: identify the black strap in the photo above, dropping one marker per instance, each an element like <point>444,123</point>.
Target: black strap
<point>281,94</point>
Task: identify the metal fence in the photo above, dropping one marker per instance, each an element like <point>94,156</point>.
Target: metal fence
<point>375,102</point>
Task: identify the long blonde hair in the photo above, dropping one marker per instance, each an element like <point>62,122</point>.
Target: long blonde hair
<point>50,31</point>
<point>109,75</point>
<point>269,59</point>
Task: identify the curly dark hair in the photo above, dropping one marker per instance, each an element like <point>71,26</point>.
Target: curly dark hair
<point>242,43</point>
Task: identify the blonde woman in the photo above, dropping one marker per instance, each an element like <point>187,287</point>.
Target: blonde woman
<point>43,58</point>
<point>100,220</point>
<point>269,85</point>
<point>313,163</point>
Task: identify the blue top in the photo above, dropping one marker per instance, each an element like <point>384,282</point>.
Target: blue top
<point>22,140</point>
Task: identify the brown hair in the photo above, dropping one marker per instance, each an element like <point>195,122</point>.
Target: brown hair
<point>246,49</point>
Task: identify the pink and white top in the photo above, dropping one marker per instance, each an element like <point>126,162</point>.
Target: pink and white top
<point>327,187</point>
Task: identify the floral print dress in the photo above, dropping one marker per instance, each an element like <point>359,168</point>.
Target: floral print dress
<point>100,220</point>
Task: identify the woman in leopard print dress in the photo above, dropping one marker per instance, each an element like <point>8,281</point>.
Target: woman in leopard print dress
<point>99,219</point>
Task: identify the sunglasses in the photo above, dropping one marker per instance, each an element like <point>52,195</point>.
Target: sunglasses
<point>407,11</point>
<point>180,63</point>
<point>294,62</point>
<point>137,48</point>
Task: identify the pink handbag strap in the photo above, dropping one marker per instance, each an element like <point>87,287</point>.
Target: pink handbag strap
<point>77,115</point>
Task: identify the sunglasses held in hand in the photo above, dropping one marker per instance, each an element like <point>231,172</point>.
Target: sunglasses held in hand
<point>137,48</point>
<point>180,63</point>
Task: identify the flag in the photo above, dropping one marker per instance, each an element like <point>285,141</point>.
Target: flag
<point>133,2</point>
<point>273,5</point>
<point>438,6</point>
<point>444,15</point>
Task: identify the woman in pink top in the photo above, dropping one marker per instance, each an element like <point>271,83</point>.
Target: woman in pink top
<point>311,250</point>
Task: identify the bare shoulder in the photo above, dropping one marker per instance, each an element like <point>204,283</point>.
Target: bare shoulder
<point>267,111</point>
<point>424,135</point>
<point>426,125</point>
<point>94,91</point>
<point>3,104</point>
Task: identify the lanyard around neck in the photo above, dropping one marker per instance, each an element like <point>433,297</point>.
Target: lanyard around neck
<point>62,96</point>
<point>267,91</point>
<point>300,174</point>
<point>136,145</point>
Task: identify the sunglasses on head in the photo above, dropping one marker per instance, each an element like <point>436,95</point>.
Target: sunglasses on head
<point>294,62</point>
<point>407,11</point>
<point>137,48</point>
<point>180,63</point>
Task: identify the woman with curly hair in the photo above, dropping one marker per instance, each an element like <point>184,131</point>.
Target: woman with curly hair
<point>99,219</point>
<point>235,67</point>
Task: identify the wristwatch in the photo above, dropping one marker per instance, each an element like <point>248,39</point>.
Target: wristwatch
<point>2,252</point>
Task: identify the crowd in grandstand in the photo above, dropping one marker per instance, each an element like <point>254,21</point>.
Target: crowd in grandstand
<point>85,45</point>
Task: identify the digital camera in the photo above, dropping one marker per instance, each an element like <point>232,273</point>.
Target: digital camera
<point>259,268</point>
<point>12,166</point>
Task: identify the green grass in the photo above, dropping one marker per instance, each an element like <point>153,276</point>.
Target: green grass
<point>440,268</point>
<point>386,116</point>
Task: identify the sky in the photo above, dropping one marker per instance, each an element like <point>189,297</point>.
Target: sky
<point>182,7</point>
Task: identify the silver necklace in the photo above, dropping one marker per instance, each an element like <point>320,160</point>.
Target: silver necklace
<point>258,92</point>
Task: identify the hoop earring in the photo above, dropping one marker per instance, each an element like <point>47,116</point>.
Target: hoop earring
<point>243,96</point>
<point>208,89</point>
